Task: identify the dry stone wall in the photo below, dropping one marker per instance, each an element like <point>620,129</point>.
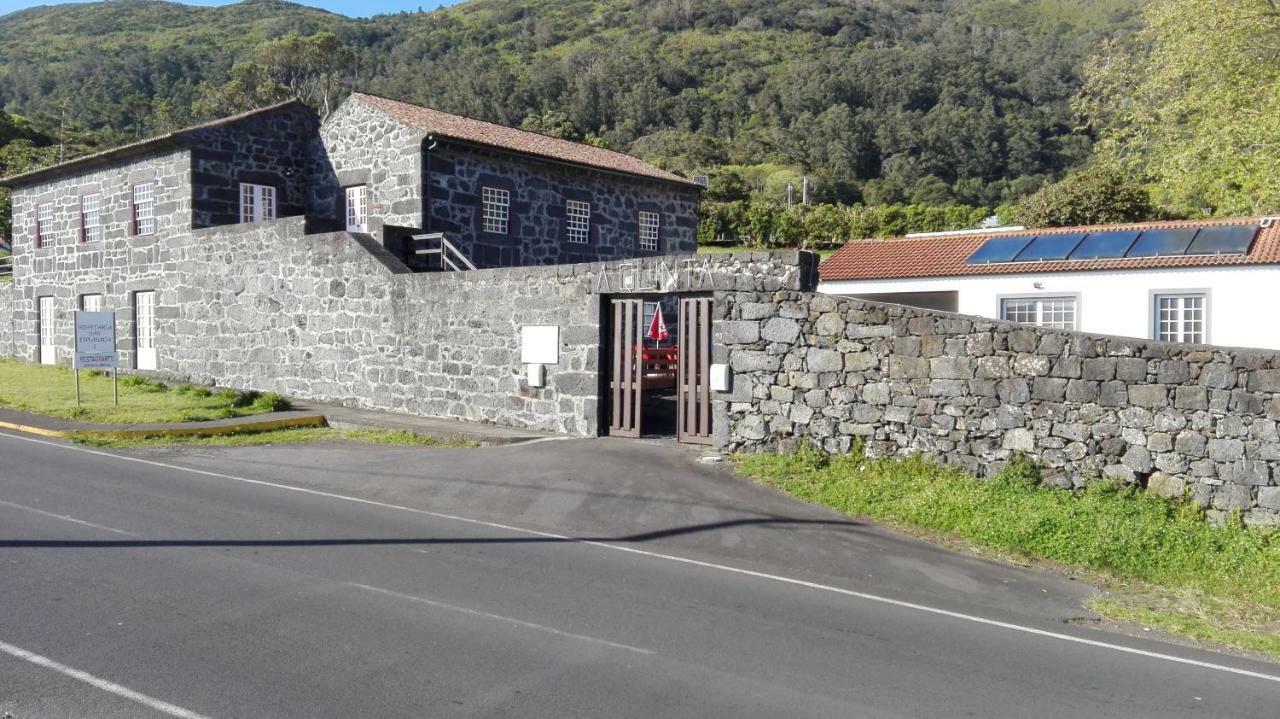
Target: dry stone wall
<point>972,392</point>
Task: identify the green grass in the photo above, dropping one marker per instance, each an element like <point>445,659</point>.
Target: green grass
<point>1160,563</point>
<point>52,391</point>
<point>726,249</point>
<point>302,435</point>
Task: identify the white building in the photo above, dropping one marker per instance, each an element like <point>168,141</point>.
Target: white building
<point>1198,282</point>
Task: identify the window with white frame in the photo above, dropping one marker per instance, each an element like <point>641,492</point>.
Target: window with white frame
<point>578,221</point>
<point>257,202</point>
<point>357,208</point>
<point>648,230</point>
<point>91,218</point>
<point>496,210</point>
<point>144,209</point>
<point>1053,312</point>
<point>144,323</point>
<point>1181,318</point>
<point>44,224</point>
<point>91,303</point>
<point>45,330</point>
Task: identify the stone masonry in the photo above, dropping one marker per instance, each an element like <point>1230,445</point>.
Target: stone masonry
<point>334,317</point>
<point>972,391</point>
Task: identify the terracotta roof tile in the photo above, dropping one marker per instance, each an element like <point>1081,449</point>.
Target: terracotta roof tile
<point>944,256</point>
<point>448,125</point>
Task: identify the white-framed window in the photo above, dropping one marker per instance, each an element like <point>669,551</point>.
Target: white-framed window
<point>144,324</point>
<point>257,202</point>
<point>649,230</point>
<point>91,218</point>
<point>578,221</point>
<point>45,330</point>
<point>1053,312</point>
<point>144,209</point>
<point>44,223</point>
<point>497,210</point>
<point>91,303</point>
<point>358,208</point>
<point>1182,318</point>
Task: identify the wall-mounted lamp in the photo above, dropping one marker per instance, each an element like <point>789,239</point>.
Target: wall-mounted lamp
<point>1038,285</point>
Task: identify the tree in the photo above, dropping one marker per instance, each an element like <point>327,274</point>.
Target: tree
<point>1193,103</point>
<point>310,68</point>
<point>1098,195</point>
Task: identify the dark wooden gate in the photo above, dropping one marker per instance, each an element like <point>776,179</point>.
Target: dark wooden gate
<point>693,385</point>
<point>626,378</point>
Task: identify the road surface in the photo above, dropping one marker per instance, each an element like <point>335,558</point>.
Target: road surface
<point>380,582</point>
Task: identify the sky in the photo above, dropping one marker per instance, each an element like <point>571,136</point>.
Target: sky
<point>352,8</point>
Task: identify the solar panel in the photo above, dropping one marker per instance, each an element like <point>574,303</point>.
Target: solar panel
<point>1105,245</point>
<point>1050,247</point>
<point>1160,243</point>
<point>1223,240</point>
<point>998,249</point>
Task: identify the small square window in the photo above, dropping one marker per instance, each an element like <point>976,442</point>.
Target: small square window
<point>91,303</point>
<point>1057,313</point>
<point>496,211</point>
<point>91,218</point>
<point>578,221</point>
<point>257,202</point>
<point>1181,318</point>
<point>649,230</point>
<point>144,209</point>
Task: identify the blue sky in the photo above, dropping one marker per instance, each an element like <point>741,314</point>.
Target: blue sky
<point>353,8</point>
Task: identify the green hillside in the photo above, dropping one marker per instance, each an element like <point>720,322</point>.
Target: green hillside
<point>929,101</point>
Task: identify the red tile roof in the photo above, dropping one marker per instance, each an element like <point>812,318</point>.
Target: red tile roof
<point>447,125</point>
<point>944,256</point>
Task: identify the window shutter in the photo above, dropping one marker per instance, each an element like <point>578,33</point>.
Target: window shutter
<point>133,212</point>
<point>82,229</point>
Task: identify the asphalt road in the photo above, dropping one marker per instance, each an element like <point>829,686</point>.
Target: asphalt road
<point>563,579</point>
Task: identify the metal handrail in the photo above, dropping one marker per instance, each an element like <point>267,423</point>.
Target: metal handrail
<point>447,251</point>
<point>6,265</point>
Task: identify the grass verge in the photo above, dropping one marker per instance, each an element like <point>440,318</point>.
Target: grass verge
<point>301,435</point>
<point>52,391</point>
<point>1160,563</point>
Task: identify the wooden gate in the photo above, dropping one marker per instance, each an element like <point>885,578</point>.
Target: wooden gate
<point>626,378</point>
<point>693,388</point>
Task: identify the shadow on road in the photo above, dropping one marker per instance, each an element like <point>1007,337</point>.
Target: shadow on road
<point>622,539</point>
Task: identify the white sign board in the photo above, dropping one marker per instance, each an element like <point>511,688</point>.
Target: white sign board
<point>95,340</point>
<point>540,344</point>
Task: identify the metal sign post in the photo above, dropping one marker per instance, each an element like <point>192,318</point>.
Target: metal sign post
<point>96,347</point>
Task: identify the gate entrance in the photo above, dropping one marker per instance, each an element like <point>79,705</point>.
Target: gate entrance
<point>658,381</point>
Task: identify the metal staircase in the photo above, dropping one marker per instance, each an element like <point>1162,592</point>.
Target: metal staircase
<point>433,253</point>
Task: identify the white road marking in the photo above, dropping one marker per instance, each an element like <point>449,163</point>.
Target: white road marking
<point>499,617</point>
<point>99,683</point>
<point>682,560</point>
<point>67,518</point>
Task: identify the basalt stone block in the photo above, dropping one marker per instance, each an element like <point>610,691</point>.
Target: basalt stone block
<point>951,368</point>
<point>780,329</point>
<point>738,332</point>
<point>1218,375</point>
<point>901,367</point>
<point>1031,365</point>
<point>1148,395</point>
<point>1225,450</point>
<point>1191,397</point>
<point>1098,368</point>
<point>1051,389</point>
<point>1232,496</point>
<point>1247,472</point>
<point>994,367</point>
<point>1131,369</point>
<point>824,360</point>
<point>1082,391</point>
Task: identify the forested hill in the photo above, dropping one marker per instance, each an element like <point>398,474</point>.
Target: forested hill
<point>931,101</point>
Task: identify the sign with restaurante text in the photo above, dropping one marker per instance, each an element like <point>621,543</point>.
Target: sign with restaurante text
<point>95,340</point>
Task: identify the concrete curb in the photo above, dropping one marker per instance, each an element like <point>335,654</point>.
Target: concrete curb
<point>249,425</point>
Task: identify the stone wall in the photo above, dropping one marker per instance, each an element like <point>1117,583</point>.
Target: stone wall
<point>333,317</point>
<point>65,268</point>
<point>536,229</point>
<point>360,145</point>
<point>6,318</point>
<point>973,391</point>
<point>272,148</point>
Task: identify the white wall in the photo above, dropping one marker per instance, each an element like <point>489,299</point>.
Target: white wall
<point>1241,300</point>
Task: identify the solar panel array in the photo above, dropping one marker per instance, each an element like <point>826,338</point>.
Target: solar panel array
<point>1116,244</point>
